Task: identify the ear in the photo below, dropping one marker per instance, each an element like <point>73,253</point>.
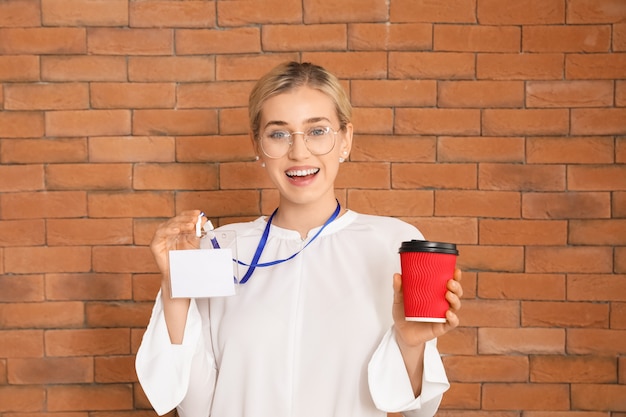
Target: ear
<point>346,141</point>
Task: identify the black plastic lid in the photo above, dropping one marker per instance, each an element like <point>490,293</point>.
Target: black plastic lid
<point>427,246</point>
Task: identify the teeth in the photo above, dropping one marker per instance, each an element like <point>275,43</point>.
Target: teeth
<point>302,172</point>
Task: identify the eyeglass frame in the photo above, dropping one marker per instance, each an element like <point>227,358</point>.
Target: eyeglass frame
<point>304,138</point>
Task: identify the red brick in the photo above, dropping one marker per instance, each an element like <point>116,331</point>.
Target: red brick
<point>490,313</point>
<point>523,232</point>
<point>566,38</point>
<point>247,12</point>
<point>88,286</point>
<point>132,149</point>
<point>572,369</point>
<point>43,204</point>
<point>521,177</point>
<point>218,41</point>
<point>234,121</point>
<point>115,369</point>
<point>509,341</point>
<point>171,68</point>
<point>486,368</point>
<point>459,396</point>
<point>479,149</point>
<point>146,287</point>
<point>466,38</point>
<point>564,314</point>
<point>21,178</point>
<point>393,149</point>
<point>20,124</point>
<point>83,68</point>
<point>397,93</point>
<point>117,314</point>
<point>619,37</point>
<point>123,259</point>
<point>569,93</point>
<point>89,232</point>
<point>600,342</point>
<point>437,121</point>
<point>462,341</point>
<point>525,396</point>
<point>358,64</point>
<point>619,204</point>
<point>620,150</point>
<point>460,230</point>
<point>604,397</point>
<point>131,204</point>
<point>248,67</point>
<point>570,205</point>
<point>454,11</point>
<point>22,399</point>
<point>88,176</point>
<point>319,11</point>
<point>578,259</point>
<point>84,12</point>
<point>437,176</point>
<point>19,67</point>
<point>480,94</point>
<point>390,36</point>
<point>88,122</point>
<point>596,287</point>
<point>505,204</point>
<point>40,259</point>
<point>80,342</point>
<point>20,13</point>
<point>169,13</point>
<point>21,288</point>
<point>573,150</point>
<point>213,95</point>
<point>46,96</point>
<point>42,315</point>
<point>496,66</point>
<point>499,122</point>
<point>21,344</point>
<point>214,149</point>
<point>51,370</point>
<point>607,121</point>
<point>220,203</point>
<point>25,41</point>
<point>595,66</point>
<point>618,316</point>
<point>597,178</point>
<point>491,258</point>
<point>521,286</point>
<point>595,11</point>
<point>598,232</point>
<point>373,120</point>
<point>392,202</point>
<point>90,398</point>
<point>242,175</point>
<point>22,232</point>
<point>132,95</point>
<point>523,12</point>
<point>174,122</point>
<point>175,177</point>
<point>326,37</point>
<point>431,65</point>
<point>43,150</point>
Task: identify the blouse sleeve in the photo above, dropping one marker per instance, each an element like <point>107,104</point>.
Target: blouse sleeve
<point>389,382</point>
<point>177,376</point>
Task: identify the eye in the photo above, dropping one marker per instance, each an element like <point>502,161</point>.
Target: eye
<point>278,134</point>
<point>318,131</point>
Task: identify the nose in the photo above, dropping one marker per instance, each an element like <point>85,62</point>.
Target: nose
<point>298,148</point>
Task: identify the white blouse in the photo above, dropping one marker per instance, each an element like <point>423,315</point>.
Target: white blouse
<point>310,337</point>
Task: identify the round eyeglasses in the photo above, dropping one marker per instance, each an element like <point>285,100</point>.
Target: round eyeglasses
<point>319,140</point>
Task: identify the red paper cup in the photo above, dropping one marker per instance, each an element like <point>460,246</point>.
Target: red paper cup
<point>426,269</point>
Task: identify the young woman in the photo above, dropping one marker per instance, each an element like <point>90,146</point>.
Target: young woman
<point>321,334</point>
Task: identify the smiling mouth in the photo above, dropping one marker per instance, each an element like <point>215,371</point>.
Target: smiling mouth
<point>300,173</point>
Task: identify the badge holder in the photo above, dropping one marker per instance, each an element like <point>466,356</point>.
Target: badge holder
<point>211,271</point>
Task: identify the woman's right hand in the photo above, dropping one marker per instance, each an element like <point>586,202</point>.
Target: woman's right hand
<point>177,233</point>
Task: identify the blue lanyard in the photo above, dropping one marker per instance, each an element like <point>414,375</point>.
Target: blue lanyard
<point>259,249</point>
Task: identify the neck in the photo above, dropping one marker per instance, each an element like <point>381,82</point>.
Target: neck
<point>304,217</point>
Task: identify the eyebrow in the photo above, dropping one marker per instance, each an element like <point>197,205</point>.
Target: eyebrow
<point>307,121</point>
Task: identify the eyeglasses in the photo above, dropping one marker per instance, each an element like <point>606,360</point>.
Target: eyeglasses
<point>319,140</point>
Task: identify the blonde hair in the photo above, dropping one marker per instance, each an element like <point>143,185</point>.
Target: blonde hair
<point>291,75</point>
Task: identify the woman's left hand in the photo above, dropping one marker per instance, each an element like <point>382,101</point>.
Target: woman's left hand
<point>415,334</point>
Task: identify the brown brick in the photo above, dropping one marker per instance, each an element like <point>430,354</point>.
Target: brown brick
<point>564,314</point>
<point>431,65</point>
<point>214,149</point>
<point>42,315</point>
<point>476,38</point>
<point>599,342</point>
<point>174,122</point>
<point>19,67</point>
<point>595,66</point>
<point>500,122</point>
<point>525,396</point>
<point>573,150</point>
<point>115,369</point>
<point>213,95</point>
<point>220,203</point>
<point>171,68</point>
<point>33,371</point>
<point>20,13</point>
<point>22,399</point>
<point>595,11</point>
<point>522,232</point>
<point>524,12</point>
<point>25,41</point>
<point>88,122</point>
<point>89,232</point>
<point>79,342</point>
<point>487,368</point>
<point>491,258</point>
<point>175,177</point>
<point>85,397</point>
<point>132,95</point>
<point>83,68</point>
<point>521,286</point>
<point>39,259</point>
<point>21,288</point>
<point>88,176</point>
<point>480,94</point>
<point>21,124</point>
<point>248,67</point>
<point>597,178</point>
<point>572,369</point>
<point>460,396</point>
<point>496,66</point>
<point>373,120</point>
<point>88,286</point>
<point>570,205</point>
<point>490,313</point>
<point>21,178</point>
<point>169,13</point>
<point>246,12</point>
<point>460,230</point>
<point>521,341</point>
<point>358,64</point>
<point>84,12</point>
<point>393,149</point>
<point>44,204</point>
<point>117,314</point>
<point>22,232</point>
<point>596,287</point>
<point>391,36</point>
<point>480,149</point>
<point>434,176</point>
<point>598,232</point>
<point>581,38</point>
<point>505,204</point>
<point>455,11</point>
<point>437,121</point>
<point>21,344</point>
<point>521,177</point>
<point>569,93</point>
<point>123,259</point>
<point>606,121</point>
<point>574,259</point>
<point>391,202</point>
<point>314,37</point>
<point>214,41</point>
<point>131,204</point>
<point>64,96</point>
<point>599,396</point>
<point>132,149</point>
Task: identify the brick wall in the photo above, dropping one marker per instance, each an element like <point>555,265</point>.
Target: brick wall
<point>496,124</point>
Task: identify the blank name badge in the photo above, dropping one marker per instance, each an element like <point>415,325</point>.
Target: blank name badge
<point>202,273</point>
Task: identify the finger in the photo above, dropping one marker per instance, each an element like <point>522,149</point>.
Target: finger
<point>455,287</point>
<point>398,296</point>
<point>458,275</point>
<point>453,300</point>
